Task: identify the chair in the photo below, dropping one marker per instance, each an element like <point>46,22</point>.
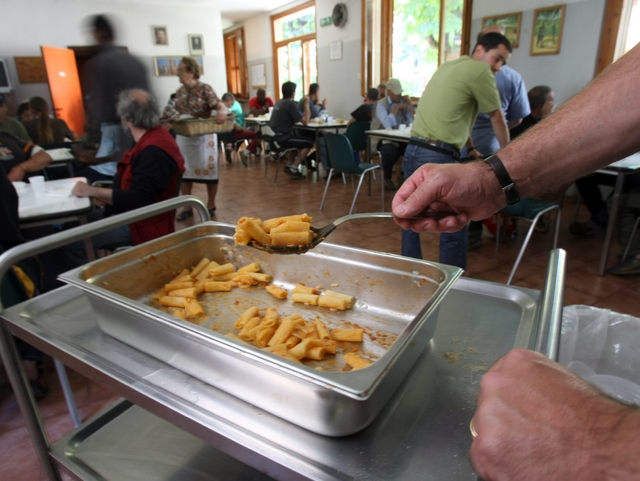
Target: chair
<point>12,292</point>
<point>342,161</point>
<point>530,210</point>
<point>227,139</point>
<point>273,149</point>
<point>358,138</point>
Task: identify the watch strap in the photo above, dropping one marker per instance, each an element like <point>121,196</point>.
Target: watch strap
<point>507,185</point>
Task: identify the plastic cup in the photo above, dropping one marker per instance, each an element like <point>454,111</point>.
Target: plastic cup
<point>402,126</point>
<point>37,184</point>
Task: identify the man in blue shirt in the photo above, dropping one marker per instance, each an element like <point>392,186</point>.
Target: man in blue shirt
<point>392,111</point>
<point>515,105</point>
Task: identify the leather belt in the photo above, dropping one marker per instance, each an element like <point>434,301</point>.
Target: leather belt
<point>437,146</point>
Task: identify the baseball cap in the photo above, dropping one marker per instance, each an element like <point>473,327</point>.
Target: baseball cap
<point>393,84</point>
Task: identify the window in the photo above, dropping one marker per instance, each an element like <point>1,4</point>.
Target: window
<point>236,62</point>
<point>294,46</point>
<point>629,32</point>
<point>620,31</point>
<point>415,37</point>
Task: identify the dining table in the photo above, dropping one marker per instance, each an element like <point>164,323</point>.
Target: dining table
<point>392,135</point>
<point>55,205</point>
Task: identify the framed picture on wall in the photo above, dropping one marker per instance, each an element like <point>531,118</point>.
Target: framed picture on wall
<point>510,22</point>
<point>30,69</point>
<point>196,44</point>
<point>546,34</point>
<point>160,35</point>
<point>168,66</point>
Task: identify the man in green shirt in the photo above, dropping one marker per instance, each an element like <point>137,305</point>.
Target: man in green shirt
<point>446,113</point>
<point>9,125</point>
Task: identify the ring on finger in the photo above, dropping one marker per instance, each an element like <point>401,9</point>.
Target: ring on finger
<point>472,428</point>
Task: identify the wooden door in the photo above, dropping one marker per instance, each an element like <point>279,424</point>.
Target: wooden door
<point>64,85</point>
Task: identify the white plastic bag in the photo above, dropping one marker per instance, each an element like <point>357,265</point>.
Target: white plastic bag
<point>603,347</point>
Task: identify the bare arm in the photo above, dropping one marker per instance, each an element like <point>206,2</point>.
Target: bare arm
<point>499,127</point>
<point>536,420</point>
<point>514,123</point>
<point>37,162</point>
<point>82,189</point>
<point>351,120</point>
<point>306,113</point>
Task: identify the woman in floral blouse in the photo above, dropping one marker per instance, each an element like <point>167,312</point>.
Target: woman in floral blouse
<point>200,152</point>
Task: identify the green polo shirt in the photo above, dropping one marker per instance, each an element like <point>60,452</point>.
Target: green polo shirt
<point>452,99</point>
<point>13,127</point>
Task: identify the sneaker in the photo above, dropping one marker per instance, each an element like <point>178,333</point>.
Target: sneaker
<point>244,156</point>
<point>389,185</point>
<point>629,267</point>
<point>288,167</point>
<point>581,228</point>
<point>293,172</point>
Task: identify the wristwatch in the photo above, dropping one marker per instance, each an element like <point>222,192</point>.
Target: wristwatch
<point>507,185</point>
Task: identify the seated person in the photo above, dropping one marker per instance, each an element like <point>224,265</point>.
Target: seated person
<point>239,132</point>
<point>19,158</point>
<point>629,212</point>
<point>541,101</point>
<point>10,125</point>
<point>24,113</point>
<point>260,104</point>
<point>382,90</point>
<point>284,116</point>
<point>316,108</point>
<point>392,111</point>
<point>42,128</point>
<point>147,173</point>
<point>364,113</point>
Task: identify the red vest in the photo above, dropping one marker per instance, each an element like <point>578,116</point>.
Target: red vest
<point>162,224</point>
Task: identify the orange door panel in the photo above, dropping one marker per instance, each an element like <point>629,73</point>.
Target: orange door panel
<point>64,84</point>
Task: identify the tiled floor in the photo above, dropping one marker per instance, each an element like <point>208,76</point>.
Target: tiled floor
<point>245,191</point>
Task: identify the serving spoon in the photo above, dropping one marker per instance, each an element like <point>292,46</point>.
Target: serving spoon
<point>323,232</point>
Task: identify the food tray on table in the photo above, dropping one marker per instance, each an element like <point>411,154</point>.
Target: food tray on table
<point>193,126</point>
<point>396,300</point>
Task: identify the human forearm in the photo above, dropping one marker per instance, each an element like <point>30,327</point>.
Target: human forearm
<point>596,127</point>
<point>499,127</point>
<point>514,123</point>
<point>82,189</point>
<point>37,162</point>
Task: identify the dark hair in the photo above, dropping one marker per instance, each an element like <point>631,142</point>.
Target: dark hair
<point>45,124</point>
<point>373,94</point>
<point>538,96</point>
<point>288,90</point>
<point>261,91</point>
<point>102,27</point>
<point>140,108</point>
<point>382,86</point>
<point>23,107</point>
<point>313,89</point>
<point>228,96</point>
<point>492,40</point>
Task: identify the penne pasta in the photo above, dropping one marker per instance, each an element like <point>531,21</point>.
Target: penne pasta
<point>302,289</point>
<point>178,285</point>
<point>263,337</point>
<point>223,277</point>
<point>290,238</point>
<point>224,269</point>
<point>291,341</point>
<point>179,313</point>
<point>248,314</point>
<point>284,330</point>
<point>350,335</point>
<point>291,226</point>
<point>171,301</point>
<point>253,267</point>
<point>193,309</point>
<point>183,273</point>
<point>277,291</point>
<point>198,268</point>
<point>217,286</point>
<point>315,353</point>
<point>350,299</point>
<point>250,324</point>
<point>260,277</point>
<point>323,332</point>
<point>190,292</point>
<point>204,274</point>
<point>305,298</point>
<point>333,302</point>
<point>355,361</point>
<point>271,318</point>
<point>254,229</point>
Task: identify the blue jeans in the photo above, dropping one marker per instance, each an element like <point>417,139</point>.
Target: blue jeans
<point>453,247</point>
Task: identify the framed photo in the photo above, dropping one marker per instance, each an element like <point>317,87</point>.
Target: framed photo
<point>168,66</point>
<point>196,44</point>
<point>510,22</point>
<point>546,35</point>
<point>30,69</point>
<point>160,35</point>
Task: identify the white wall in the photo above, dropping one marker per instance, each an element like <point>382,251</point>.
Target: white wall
<point>574,67</point>
<point>27,24</point>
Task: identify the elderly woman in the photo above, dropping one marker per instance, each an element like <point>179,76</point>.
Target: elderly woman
<point>196,99</point>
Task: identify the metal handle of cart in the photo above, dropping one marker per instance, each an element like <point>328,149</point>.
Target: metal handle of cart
<point>44,244</point>
<point>547,338</point>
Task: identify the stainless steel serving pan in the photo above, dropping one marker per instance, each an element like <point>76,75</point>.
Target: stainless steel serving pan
<point>394,294</point>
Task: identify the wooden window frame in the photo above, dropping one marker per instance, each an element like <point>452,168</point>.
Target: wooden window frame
<point>609,36</point>
<point>282,43</point>
<point>386,47</point>
<point>244,71</point>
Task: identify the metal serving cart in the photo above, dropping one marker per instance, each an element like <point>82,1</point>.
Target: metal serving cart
<point>173,426</point>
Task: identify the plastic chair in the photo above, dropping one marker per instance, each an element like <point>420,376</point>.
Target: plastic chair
<point>342,161</point>
<point>530,210</point>
<point>12,292</point>
<point>273,149</point>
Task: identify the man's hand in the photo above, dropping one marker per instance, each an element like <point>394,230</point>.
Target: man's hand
<point>325,102</point>
<point>305,100</point>
<point>81,189</point>
<point>16,174</point>
<point>537,421</point>
<point>470,190</point>
<point>475,154</point>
